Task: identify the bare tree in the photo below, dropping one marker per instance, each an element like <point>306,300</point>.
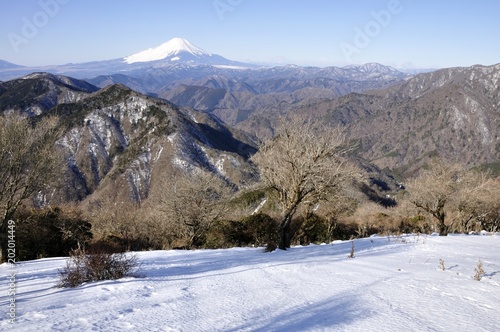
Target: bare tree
<point>28,162</point>
<point>444,189</point>
<point>435,188</point>
<point>304,164</point>
<point>194,201</point>
<point>479,203</point>
<point>119,220</point>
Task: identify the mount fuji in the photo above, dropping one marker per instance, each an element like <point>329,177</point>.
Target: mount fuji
<point>179,50</point>
<point>174,52</point>
<point>175,49</point>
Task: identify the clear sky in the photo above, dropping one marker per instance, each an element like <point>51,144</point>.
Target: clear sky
<point>401,33</point>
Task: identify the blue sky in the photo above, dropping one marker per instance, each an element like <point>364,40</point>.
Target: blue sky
<point>401,33</point>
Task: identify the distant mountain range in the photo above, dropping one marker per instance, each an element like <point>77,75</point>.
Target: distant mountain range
<point>178,106</point>
<point>453,113</point>
<point>174,52</point>
<point>191,77</point>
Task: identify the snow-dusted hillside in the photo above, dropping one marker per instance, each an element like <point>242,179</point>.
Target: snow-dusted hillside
<point>390,285</point>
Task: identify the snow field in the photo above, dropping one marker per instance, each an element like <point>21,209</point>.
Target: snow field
<point>389,285</point>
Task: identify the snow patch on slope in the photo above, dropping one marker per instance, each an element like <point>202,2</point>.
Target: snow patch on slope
<point>460,118</point>
<point>480,113</point>
<point>261,205</point>
<point>70,142</point>
<point>139,176</point>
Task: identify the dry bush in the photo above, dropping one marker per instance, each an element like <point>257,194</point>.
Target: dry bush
<point>113,219</point>
<point>270,247</point>
<point>125,226</point>
<point>311,229</point>
<point>434,190</point>
<point>351,253</point>
<point>371,218</point>
<point>161,232</point>
<point>100,265</point>
<point>408,219</point>
<point>255,230</point>
<point>491,221</point>
<point>190,217</point>
<point>190,203</point>
<point>479,271</point>
<point>441,265</point>
<point>50,232</point>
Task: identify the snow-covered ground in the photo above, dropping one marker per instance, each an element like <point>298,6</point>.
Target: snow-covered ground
<point>394,285</point>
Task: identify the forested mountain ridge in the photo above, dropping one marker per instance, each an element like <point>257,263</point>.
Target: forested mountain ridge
<point>453,113</point>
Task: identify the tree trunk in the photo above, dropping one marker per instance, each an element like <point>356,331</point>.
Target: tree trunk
<point>443,229</point>
<point>284,232</point>
<point>4,243</point>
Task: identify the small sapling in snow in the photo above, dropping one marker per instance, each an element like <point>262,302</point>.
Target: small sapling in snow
<point>479,271</point>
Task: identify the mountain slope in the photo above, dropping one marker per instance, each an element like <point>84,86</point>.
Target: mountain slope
<point>8,65</point>
<point>453,113</point>
<point>39,92</point>
<point>118,142</point>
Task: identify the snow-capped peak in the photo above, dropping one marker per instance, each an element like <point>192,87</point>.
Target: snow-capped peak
<point>170,48</point>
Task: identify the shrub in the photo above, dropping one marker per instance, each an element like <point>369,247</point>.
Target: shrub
<point>270,247</point>
<point>313,229</point>
<point>111,244</point>
<point>414,224</point>
<point>441,265</point>
<point>258,229</point>
<point>84,267</point>
<point>225,234</point>
<point>351,253</point>
<point>479,271</point>
<point>261,228</point>
<point>50,232</point>
<point>345,231</point>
